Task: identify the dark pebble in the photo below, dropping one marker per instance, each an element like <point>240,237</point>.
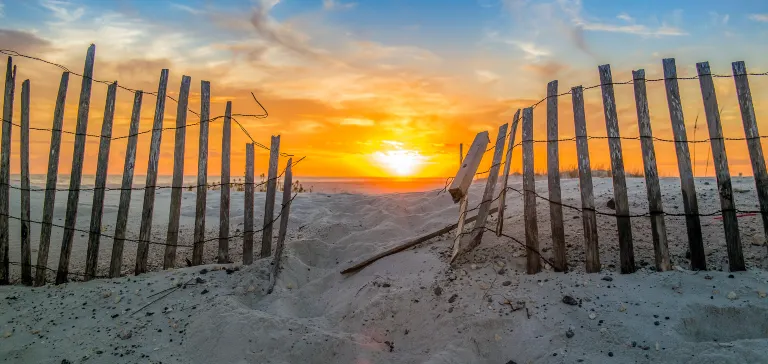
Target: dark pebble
<point>386,285</point>
<point>204,291</point>
<point>608,278</point>
<point>506,283</point>
<point>203,271</point>
<point>569,334</point>
<point>568,300</point>
<point>730,276</point>
<point>656,323</point>
<point>199,280</point>
<point>610,353</point>
<point>438,291</point>
<point>453,298</point>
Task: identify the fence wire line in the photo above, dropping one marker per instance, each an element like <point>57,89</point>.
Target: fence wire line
<point>12,53</point>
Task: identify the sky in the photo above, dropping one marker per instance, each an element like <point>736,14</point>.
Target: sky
<point>387,87</point>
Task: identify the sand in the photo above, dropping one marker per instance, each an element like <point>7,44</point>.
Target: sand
<point>410,307</point>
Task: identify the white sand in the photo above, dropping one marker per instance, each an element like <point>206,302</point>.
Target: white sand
<point>486,310</point>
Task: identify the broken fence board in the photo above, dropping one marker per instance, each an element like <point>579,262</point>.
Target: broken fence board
<point>465,175</point>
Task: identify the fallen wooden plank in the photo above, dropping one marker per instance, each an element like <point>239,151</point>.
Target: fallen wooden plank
<point>408,244</point>
<point>467,171</point>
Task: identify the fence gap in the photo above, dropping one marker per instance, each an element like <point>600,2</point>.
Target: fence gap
<point>690,202</point>
<point>26,244</point>
<point>248,211</point>
<point>655,206</point>
<point>284,216</point>
<point>623,222</point>
<point>202,173</point>
<point>226,136</point>
<point>97,208</point>
<point>50,183</point>
<point>177,184</point>
<point>588,215</point>
<point>553,181</point>
<point>5,172</point>
<point>145,229</point>
<point>529,188</point>
<point>720,159</point>
<point>115,264</point>
<point>269,204</point>
<point>507,165</point>
<point>77,167</point>
<point>753,139</point>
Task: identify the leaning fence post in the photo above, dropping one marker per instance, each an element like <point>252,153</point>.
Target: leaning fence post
<point>269,204</point>
<point>26,248</point>
<point>626,251</point>
<point>658,225</point>
<point>507,165</point>
<point>50,183</point>
<point>690,203</point>
<point>753,139</point>
<point>465,175</point>
<point>77,167</point>
<point>529,193</point>
<point>248,211</point>
<point>5,172</point>
<point>553,181</point>
<point>224,205</point>
<point>720,159</point>
<point>202,173</point>
<point>284,217</point>
<point>116,263</point>
<point>100,184</point>
<point>462,213</point>
<point>145,229</point>
<point>588,215</point>
<point>177,183</point>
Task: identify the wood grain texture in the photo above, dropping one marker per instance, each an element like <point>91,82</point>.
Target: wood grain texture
<point>177,184</point>
<point>148,209</point>
<point>70,221</point>
<point>505,175</point>
<point>269,204</point>
<point>753,139</point>
<point>720,159</point>
<point>588,216</point>
<point>5,171</point>
<point>102,163</point>
<point>26,244</point>
<point>50,182</point>
<point>626,250</point>
<point>462,215</point>
<point>690,202</point>
<point>226,147</point>
<point>529,197</point>
<point>553,182</point>
<point>474,238</point>
<point>248,209</point>
<point>468,168</point>
<point>202,173</point>
<point>284,217</point>
<point>116,261</point>
<point>655,206</point>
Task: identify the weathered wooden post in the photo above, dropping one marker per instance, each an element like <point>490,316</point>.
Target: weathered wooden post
<point>720,159</point>
<point>202,173</point>
<point>626,251</point>
<point>655,207</point>
<point>284,216</point>
<point>26,245</point>
<point>529,201</point>
<point>269,204</point>
<point>690,203</point>
<point>145,229</point>
<point>226,134</point>
<point>462,213</point>
<point>753,139</point>
<point>51,180</point>
<point>462,181</point>
<point>553,181</point>
<point>77,167</point>
<point>507,165</point>
<point>5,172</point>
<point>177,183</point>
<point>116,263</point>
<point>588,215</point>
<point>97,208</point>
<point>248,211</point>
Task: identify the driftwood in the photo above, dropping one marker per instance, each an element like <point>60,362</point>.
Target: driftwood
<point>409,244</point>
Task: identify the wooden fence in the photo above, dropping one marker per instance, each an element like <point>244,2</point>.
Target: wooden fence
<point>119,238</point>
<point>470,163</point>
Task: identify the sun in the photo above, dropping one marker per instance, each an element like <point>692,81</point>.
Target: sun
<point>400,162</point>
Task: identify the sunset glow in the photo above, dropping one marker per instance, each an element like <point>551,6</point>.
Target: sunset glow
<point>401,163</point>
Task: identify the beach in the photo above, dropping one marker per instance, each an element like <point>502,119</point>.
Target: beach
<point>411,307</point>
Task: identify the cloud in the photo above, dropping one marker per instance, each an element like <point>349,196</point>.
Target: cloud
<point>22,41</point>
<point>759,17</point>
<point>549,69</point>
<point>532,51</point>
<point>573,9</point>
<point>187,9</point>
<point>358,122</point>
<point>486,76</point>
<point>333,5</point>
<point>625,17</point>
<point>64,11</point>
